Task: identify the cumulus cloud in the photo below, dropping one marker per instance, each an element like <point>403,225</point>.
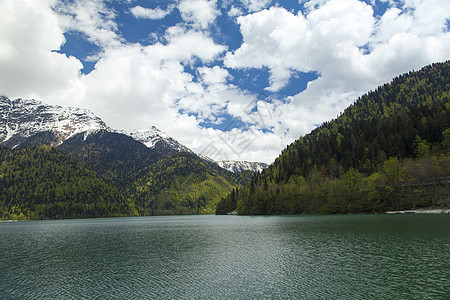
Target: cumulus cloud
<point>255,5</point>
<point>184,81</point>
<point>214,75</point>
<point>235,11</point>
<point>283,42</point>
<point>199,13</point>
<point>29,66</point>
<point>152,14</point>
<point>133,83</point>
<point>350,49</point>
<point>93,18</point>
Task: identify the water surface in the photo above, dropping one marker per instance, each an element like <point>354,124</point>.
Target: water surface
<point>185,257</point>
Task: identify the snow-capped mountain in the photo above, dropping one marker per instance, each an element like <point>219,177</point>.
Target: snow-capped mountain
<point>21,119</point>
<point>31,123</point>
<point>156,139</point>
<point>237,166</point>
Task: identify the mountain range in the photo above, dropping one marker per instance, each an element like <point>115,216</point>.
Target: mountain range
<point>121,168</point>
<point>25,123</point>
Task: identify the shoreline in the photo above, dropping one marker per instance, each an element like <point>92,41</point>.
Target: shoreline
<point>420,211</point>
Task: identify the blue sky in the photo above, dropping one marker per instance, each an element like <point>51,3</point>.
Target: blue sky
<point>232,79</point>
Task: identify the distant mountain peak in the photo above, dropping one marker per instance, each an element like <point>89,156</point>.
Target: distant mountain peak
<point>156,139</point>
<point>21,119</point>
<point>29,122</point>
<point>238,166</point>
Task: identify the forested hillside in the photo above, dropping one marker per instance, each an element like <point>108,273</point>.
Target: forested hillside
<point>108,175</point>
<point>41,183</point>
<point>118,158</point>
<point>389,150</point>
<point>183,184</point>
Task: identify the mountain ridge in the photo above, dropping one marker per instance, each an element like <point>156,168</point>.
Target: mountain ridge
<point>22,119</point>
<point>155,138</point>
<point>238,166</point>
<point>29,122</point>
<point>122,165</point>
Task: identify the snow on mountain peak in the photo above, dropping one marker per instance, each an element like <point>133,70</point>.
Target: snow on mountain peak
<point>23,118</point>
<point>237,166</point>
<point>152,137</point>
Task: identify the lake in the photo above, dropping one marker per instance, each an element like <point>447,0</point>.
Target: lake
<point>231,257</point>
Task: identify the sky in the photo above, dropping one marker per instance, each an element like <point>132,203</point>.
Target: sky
<point>230,79</point>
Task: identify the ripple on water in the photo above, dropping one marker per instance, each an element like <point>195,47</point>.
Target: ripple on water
<point>352,257</point>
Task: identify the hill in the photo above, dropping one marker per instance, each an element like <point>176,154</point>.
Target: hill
<point>42,183</point>
<point>389,150</point>
<point>182,184</point>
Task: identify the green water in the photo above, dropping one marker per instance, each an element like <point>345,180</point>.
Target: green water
<point>228,257</point>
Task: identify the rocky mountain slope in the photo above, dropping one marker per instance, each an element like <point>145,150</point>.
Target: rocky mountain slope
<point>24,120</point>
<point>154,138</point>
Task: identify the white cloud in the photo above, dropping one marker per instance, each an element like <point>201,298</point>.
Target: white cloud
<point>430,16</point>
<point>283,42</point>
<point>254,5</point>
<point>350,49</point>
<point>214,75</point>
<point>28,64</point>
<point>134,85</point>
<point>92,18</point>
<point>152,14</point>
<point>200,13</point>
<point>235,11</point>
<point>189,43</point>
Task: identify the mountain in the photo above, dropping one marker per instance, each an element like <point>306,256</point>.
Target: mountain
<point>156,139</point>
<point>389,150</point>
<point>236,166</point>
<point>239,166</point>
<point>42,183</point>
<point>29,122</point>
<point>92,170</point>
<point>117,157</point>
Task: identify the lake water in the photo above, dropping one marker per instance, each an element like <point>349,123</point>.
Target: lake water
<point>232,257</point>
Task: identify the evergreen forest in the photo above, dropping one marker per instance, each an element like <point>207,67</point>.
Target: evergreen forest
<point>43,183</point>
<point>390,150</point>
